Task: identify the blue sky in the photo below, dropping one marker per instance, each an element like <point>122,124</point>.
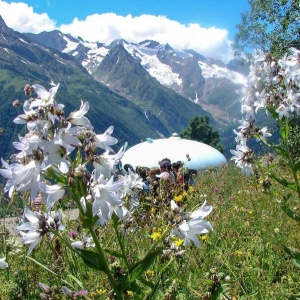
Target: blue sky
<point>206,26</point>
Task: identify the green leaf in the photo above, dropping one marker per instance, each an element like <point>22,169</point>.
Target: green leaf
<point>139,268</point>
<point>147,283</point>
<point>91,259</point>
<point>292,214</point>
<point>143,265</point>
<point>154,289</point>
<point>116,220</point>
<point>78,158</point>
<point>88,219</point>
<point>293,297</point>
<point>79,283</point>
<point>297,166</point>
<point>114,253</point>
<point>288,184</point>
<point>295,256</point>
<point>41,265</point>
<point>279,150</point>
<point>59,178</point>
<point>284,132</point>
<point>273,112</point>
<point>218,292</point>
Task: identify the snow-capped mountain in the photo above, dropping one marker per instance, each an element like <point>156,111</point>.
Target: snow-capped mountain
<point>205,81</point>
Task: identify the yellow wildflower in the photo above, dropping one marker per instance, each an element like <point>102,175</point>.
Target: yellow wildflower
<point>203,237</point>
<point>156,235</point>
<point>150,273</point>
<point>153,210</point>
<point>191,189</point>
<point>178,198</point>
<point>101,291</point>
<point>239,253</point>
<point>129,294</point>
<point>185,194</point>
<point>178,242</point>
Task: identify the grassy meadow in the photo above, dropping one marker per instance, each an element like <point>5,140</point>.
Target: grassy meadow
<point>242,258</point>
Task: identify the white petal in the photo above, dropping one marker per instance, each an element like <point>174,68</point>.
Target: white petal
<point>195,240</point>
<point>5,173</point>
<point>33,244</point>
<point>41,91</point>
<point>77,244</point>
<point>31,216</point>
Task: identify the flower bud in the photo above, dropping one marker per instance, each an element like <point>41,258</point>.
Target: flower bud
<point>45,288</point>
<point>28,89</point>
<point>16,103</point>
<point>44,296</point>
<point>78,172</point>
<point>67,292</point>
<point>179,253</point>
<point>71,181</point>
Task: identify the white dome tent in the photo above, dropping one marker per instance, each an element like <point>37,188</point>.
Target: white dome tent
<point>149,153</point>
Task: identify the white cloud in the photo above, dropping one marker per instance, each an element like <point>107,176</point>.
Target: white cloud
<point>21,17</point>
<point>210,42</point>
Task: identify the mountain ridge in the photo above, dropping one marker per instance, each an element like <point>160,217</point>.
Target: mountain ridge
<point>24,60</point>
<point>184,71</point>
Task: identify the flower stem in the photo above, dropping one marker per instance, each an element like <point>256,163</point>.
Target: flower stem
<point>27,280</point>
<point>105,264</point>
<point>100,251</point>
<point>290,160</point>
<point>115,225</point>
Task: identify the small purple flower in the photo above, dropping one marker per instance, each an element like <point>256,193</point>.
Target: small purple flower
<point>73,234</point>
<point>80,293</point>
<point>230,198</point>
<point>122,271</point>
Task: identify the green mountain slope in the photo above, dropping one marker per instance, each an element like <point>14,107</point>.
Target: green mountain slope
<point>126,76</point>
<point>23,61</point>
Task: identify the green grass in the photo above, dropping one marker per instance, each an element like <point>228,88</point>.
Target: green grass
<point>242,258</point>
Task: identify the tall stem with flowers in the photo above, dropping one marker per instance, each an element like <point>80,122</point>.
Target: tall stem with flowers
<point>274,87</point>
<point>61,158</point>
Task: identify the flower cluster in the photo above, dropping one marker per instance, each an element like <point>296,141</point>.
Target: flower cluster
<point>38,224</point>
<point>273,86</point>
<point>61,158</point>
<point>45,168</point>
<point>188,226</point>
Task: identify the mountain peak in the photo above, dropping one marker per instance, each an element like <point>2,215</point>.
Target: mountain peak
<point>2,23</point>
<point>168,47</point>
<point>149,44</point>
<point>118,42</point>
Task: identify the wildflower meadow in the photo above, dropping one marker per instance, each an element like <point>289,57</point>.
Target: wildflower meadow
<point>233,234</point>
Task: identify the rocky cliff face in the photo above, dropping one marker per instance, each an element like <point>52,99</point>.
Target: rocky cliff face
<point>207,82</point>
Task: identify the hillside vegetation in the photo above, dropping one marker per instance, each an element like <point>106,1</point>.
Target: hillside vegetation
<point>243,258</point>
